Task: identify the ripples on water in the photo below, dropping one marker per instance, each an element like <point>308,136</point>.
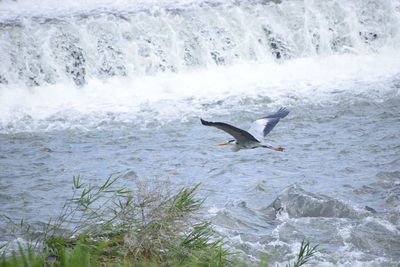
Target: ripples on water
<point>338,160</point>
<point>337,184</point>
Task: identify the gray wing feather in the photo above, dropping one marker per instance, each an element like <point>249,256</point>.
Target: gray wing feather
<point>240,135</point>
<point>264,126</point>
<point>280,114</point>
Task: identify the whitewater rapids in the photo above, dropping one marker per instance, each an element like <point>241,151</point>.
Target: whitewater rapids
<point>117,87</point>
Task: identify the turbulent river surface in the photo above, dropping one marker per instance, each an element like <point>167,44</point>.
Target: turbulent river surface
<point>99,88</point>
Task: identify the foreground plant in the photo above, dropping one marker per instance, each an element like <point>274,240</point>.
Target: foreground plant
<point>306,252</point>
<point>153,225</point>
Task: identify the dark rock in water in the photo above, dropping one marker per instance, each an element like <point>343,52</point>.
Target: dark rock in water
<point>278,47</point>
<point>68,54</point>
<point>368,36</point>
<point>271,1</point>
<point>3,80</point>
<point>370,209</point>
<point>75,67</point>
<point>300,203</point>
<point>218,59</point>
<point>51,259</point>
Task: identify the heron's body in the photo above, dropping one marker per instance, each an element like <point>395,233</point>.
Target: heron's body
<point>255,137</point>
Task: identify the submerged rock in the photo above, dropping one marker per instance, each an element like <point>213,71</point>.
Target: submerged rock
<point>297,202</point>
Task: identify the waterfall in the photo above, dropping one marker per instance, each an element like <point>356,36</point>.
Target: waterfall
<point>44,49</point>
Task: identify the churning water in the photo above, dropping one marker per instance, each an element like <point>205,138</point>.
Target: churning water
<point>96,88</point>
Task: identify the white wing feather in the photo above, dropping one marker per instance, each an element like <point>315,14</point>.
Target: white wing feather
<point>257,129</point>
<point>261,127</point>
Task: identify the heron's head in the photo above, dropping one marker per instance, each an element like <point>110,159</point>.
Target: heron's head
<point>230,142</point>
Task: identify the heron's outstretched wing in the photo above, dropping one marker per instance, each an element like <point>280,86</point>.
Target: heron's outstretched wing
<point>240,135</point>
<point>261,127</point>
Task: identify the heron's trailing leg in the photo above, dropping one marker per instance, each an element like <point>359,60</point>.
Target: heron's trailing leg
<point>276,148</point>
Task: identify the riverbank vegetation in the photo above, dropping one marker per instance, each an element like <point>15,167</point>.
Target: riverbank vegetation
<point>153,225</point>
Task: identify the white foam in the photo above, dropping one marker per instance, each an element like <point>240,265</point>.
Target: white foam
<point>214,210</point>
<point>178,95</point>
<point>384,223</point>
<point>10,9</point>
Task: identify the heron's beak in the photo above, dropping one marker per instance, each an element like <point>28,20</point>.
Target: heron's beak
<point>224,144</point>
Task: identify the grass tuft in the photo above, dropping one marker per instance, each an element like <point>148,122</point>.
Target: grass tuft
<point>152,226</point>
<point>306,252</point>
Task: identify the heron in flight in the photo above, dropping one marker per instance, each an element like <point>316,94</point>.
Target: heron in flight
<point>255,136</point>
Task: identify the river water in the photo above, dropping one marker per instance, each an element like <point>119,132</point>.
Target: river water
<point>101,88</point>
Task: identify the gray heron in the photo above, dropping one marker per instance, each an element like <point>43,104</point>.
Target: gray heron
<point>255,137</point>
